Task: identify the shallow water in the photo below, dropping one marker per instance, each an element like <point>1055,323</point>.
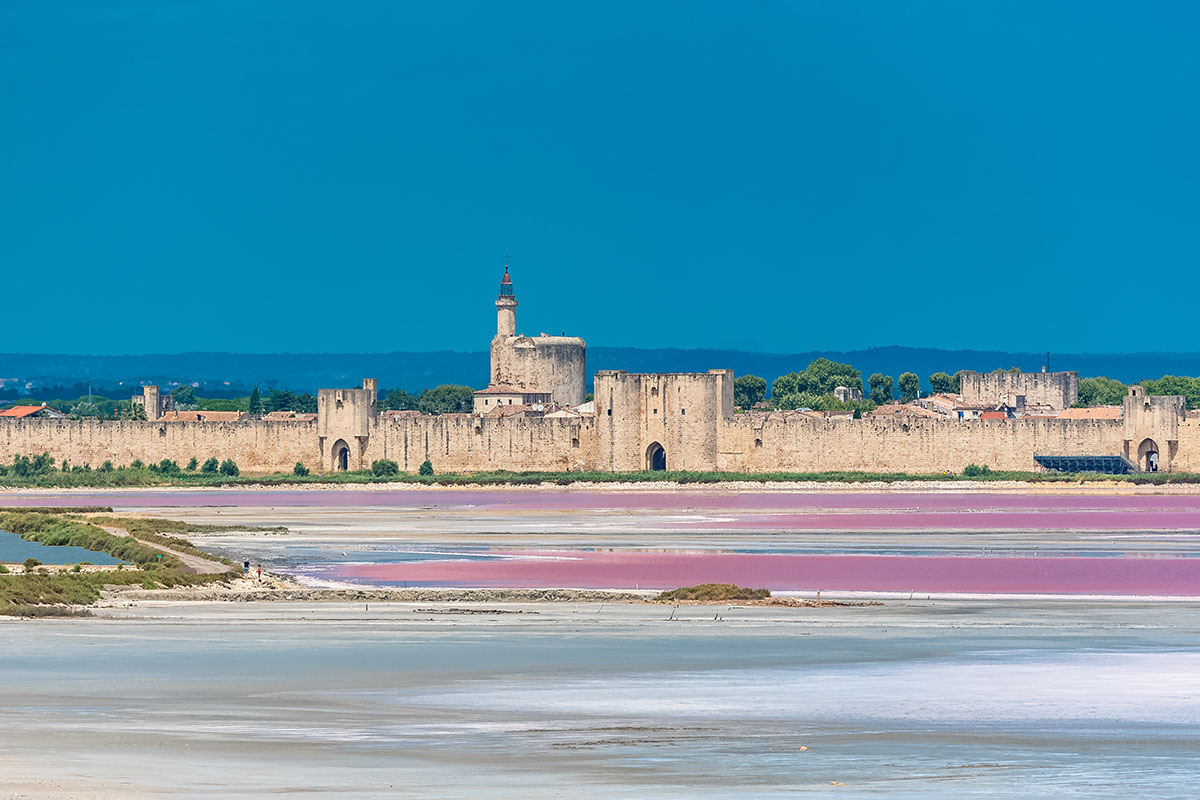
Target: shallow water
<point>14,549</point>
<point>906,700</point>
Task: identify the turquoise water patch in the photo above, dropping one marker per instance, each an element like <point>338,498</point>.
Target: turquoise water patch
<point>14,550</point>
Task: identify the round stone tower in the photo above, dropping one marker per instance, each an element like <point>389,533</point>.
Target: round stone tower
<point>536,364</point>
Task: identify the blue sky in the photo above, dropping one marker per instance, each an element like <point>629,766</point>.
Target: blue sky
<point>290,176</point>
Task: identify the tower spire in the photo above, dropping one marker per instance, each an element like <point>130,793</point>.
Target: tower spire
<point>506,305</point>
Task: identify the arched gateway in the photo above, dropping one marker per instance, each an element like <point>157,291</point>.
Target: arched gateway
<point>656,457</point>
<point>341,455</point>
<point>1148,455</point>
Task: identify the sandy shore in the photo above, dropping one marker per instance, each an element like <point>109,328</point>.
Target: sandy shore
<point>728,487</point>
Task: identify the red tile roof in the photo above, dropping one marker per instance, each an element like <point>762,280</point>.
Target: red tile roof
<point>21,412</point>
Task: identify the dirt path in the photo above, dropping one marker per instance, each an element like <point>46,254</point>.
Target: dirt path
<point>202,566</point>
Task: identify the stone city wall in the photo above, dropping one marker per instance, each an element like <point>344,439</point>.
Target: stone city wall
<point>754,443</point>
<point>256,446</point>
<point>467,443</point>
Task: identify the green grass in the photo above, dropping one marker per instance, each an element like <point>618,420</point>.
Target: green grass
<point>129,476</point>
<point>712,592</point>
<point>19,592</point>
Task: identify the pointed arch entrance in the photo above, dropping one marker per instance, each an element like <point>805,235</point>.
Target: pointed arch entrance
<point>341,455</point>
<point>1148,456</point>
<point>656,457</point>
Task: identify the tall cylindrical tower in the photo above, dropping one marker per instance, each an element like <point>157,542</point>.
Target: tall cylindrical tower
<point>506,307</point>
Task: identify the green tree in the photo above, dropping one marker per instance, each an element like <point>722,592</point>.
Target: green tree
<point>137,411</point>
<point>748,390</point>
<point>446,399</point>
<point>426,468</point>
<point>881,388</point>
<point>300,469</point>
<point>229,468</point>
<point>256,404</point>
<point>909,385</point>
<point>185,396</point>
<point>279,400</point>
<point>193,464</point>
<point>943,383</point>
<point>211,466</point>
<point>384,468</point>
<point>1176,384</point>
<point>1100,392</point>
<point>398,400</point>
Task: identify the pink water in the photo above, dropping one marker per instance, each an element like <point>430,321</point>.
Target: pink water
<point>628,570</point>
<point>761,510</point>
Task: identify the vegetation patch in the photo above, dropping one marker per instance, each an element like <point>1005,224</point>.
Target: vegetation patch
<point>61,590</point>
<point>711,592</point>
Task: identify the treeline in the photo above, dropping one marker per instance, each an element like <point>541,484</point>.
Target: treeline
<point>443,399</point>
<point>813,387</point>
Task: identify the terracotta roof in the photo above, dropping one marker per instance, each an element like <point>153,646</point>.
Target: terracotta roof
<point>1098,412</point>
<point>21,412</point>
<point>994,415</point>
<point>290,416</point>
<point>200,416</point>
<point>507,388</point>
<point>512,411</point>
<point>901,410</point>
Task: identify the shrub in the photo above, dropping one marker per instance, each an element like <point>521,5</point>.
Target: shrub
<point>107,466</point>
<point>168,467</point>
<point>385,467</point>
<point>426,467</point>
<point>3,570</point>
<point>191,467</point>
<point>229,468</point>
<point>976,471</point>
<point>136,463</point>
<point>211,466</point>
<point>299,469</point>
<point>705,592</point>
<point>30,563</point>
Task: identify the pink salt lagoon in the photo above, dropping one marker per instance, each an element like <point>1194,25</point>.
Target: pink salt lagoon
<point>939,542</point>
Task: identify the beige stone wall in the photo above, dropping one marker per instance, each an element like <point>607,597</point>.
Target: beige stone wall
<point>753,443</point>
<point>1056,389</point>
<point>554,364</point>
<point>256,446</point>
<point>681,412</point>
<point>464,442</point>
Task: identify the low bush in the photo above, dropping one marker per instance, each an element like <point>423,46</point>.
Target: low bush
<point>31,562</point>
<point>710,592</point>
<point>300,469</point>
<point>426,468</point>
<point>229,468</point>
<point>385,468</point>
<point>210,466</point>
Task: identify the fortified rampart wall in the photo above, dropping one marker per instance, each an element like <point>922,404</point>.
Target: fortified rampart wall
<point>917,445</point>
<point>256,446</point>
<point>467,443</point>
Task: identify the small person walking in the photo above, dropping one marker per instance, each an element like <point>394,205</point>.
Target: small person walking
<point>260,572</point>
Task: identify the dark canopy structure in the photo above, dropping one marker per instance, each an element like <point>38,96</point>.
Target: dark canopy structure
<point>1111,465</point>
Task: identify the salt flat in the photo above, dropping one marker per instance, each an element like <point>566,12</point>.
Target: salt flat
<point>913,699</point>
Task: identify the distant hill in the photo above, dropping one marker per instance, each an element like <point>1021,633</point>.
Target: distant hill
<point>234,373</point>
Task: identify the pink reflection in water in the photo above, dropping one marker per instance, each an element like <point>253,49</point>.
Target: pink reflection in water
<point>599,570</point>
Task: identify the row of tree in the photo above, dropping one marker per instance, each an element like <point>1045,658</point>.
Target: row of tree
<point>813,387</point>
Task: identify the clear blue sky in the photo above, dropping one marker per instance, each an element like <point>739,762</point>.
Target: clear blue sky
<point>299,176</point>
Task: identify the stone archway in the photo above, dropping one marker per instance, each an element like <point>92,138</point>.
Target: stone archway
<point>1147,456</point>
<point>656,457</point>
<point>340,455</point>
